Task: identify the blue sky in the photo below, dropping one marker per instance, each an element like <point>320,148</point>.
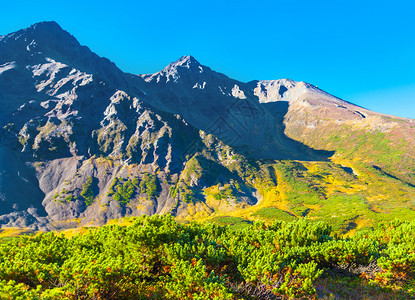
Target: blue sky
<point>361,51</point>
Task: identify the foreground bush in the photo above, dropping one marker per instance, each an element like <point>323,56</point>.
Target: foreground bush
<point>158,258</point>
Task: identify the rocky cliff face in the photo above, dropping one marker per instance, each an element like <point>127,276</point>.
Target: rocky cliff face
<point>81,141</point>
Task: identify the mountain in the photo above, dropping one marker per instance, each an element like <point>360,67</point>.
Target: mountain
<point>82,142</point>
<point>197,93</point>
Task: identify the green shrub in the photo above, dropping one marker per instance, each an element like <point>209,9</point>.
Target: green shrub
<point>88,190</point>
<point>148,185</point>
<point>122,190</point>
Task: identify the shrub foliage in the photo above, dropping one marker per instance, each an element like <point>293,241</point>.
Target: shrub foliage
<point>158,258</point>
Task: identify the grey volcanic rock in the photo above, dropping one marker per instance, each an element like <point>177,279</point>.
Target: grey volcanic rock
<point>20,195</point>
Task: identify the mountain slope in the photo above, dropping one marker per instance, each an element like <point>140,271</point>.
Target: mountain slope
<point>90,143</point>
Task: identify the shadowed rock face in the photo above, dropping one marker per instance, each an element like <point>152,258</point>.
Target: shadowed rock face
<point>67,115</point>
<point>20,195</point>
<point>17,184</point>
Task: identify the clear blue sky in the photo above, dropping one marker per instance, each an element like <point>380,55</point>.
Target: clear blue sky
<point>362,51</point>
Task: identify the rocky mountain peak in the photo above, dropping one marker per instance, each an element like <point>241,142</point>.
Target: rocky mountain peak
<point>46,26</point>
<point>40,28</point>
<point>185,67</point>
<point>186,61</point>
<point>44,42</point>
<point>44,37</point>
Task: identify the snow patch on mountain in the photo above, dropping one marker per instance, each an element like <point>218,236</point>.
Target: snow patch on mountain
<point>221,90</point>
<point>273,90</point>
<point>7,66</point>
<point>237,92</point>
<point>200,86</point>
<point>31,46</point>
<point>77,77</point>
<point>51,69</point>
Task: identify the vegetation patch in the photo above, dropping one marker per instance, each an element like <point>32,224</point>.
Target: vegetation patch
<point>64,196</point>
<point>88,190</point>
<point>110,136</point>
<point>122,190</point>
<point>274,213</point>
<point>149,185</point>
<point>187,193</point>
